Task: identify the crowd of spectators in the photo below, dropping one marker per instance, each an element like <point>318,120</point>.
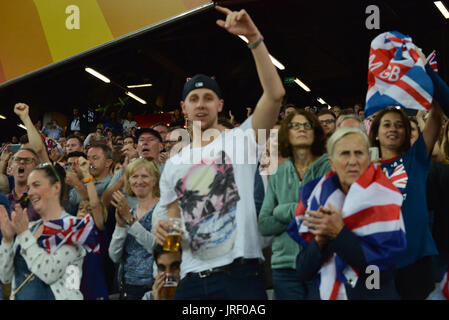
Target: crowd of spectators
<point>117,185</point>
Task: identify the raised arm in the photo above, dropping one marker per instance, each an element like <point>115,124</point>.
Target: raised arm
<point>4,158</point>
<point>433,125</point>
<point>106,197</point>
<point>94,201</point>
<point>267,108</point>
<point>34,138</point>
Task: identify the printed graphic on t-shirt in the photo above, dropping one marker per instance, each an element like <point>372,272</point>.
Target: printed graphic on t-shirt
<point>208,198</point>
<point>395,171</point>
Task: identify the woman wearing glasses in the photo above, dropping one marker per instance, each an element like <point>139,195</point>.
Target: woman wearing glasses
<point>35,273</point>
<point>301,139</point>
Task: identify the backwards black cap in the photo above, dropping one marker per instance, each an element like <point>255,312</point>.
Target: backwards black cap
<point>201,81</point>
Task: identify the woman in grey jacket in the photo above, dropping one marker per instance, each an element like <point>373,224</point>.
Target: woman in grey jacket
<point>301,138</point>
<point>132,241</point>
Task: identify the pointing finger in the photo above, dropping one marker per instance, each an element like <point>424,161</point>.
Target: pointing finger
<point>223,10</point>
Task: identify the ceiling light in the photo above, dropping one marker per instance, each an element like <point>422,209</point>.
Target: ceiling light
<point>97,74</point>
<point>244,38</point>
<point>279,65</point>
<point>132,95</point>
<point>302,85</point>
<point>22,126</point>
<point>140,85</point>
<point>2,117</point>
<point>442,9</point>
<point>321,101</point>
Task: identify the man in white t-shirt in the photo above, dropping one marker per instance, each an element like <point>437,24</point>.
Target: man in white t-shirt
<point>210,183</point>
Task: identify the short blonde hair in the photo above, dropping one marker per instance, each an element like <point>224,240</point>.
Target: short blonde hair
<point>152,170</point>
<point>341,133</point>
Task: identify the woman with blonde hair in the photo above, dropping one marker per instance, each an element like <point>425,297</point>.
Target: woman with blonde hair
<point>348,221</point>
<point>132,242</point>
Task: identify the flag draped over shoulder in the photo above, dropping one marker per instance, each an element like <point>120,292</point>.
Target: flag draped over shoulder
<point>70,230</point>
<point>396,75</point>
<point>371,209</point>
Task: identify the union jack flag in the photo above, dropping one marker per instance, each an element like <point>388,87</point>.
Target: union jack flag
<point>371,209</point>
<point>72,231</point>
<point>398,177</point>
<point>432,60</point>
<point>396,75</point>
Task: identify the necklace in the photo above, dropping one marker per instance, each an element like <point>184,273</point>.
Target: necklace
<point>141,211</point>
<point>301,170</point>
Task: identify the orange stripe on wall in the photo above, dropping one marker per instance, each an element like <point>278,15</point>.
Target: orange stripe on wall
<point>23,44</point>
<point>134,15</point>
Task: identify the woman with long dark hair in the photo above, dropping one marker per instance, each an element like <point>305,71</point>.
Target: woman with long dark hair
<point>407,167</point>
<point>302,140</point>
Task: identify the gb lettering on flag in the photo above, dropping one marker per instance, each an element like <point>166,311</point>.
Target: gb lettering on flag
<point>396,75</point>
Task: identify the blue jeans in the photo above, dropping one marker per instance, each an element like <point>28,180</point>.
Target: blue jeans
<point>239,282</point>
<point>287,286</point>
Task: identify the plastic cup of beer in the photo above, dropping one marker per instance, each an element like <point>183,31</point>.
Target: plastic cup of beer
<point>170,285</point>
<point>173,240</point>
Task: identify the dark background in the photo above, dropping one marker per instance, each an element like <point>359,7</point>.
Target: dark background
<point>323,43</point>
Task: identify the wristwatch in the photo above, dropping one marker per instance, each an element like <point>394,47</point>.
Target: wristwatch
<point>130,221</point>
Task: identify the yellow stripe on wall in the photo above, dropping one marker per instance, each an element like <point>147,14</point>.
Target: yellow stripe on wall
<point>23,47</point>
<point>63,42</point>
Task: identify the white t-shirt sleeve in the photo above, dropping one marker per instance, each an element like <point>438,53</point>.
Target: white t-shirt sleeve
<point>167,185</point>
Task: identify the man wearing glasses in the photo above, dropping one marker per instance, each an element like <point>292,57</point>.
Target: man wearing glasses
<point>327,120</point>
<point>23,162</point>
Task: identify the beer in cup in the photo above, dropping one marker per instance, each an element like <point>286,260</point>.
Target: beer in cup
<point>169,288</point>
<point>173,240</point>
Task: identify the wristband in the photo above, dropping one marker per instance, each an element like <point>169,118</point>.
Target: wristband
<point>256,43</point>
<point>87,180</point>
